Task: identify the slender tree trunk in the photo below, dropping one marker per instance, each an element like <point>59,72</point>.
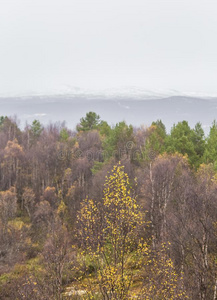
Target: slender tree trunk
<point>152,209</point>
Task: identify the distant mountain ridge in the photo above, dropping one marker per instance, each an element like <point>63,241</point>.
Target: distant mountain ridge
<point>121,93</point>
<point>134,110</point>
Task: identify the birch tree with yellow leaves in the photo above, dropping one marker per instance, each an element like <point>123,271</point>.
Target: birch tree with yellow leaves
<point>111,239</point>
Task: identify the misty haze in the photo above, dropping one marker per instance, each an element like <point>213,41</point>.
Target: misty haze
<point>135,110</point>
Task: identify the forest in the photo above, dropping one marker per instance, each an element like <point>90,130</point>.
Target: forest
<point>107,212</point>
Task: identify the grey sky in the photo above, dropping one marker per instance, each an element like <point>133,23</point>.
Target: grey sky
<point>46,45</point>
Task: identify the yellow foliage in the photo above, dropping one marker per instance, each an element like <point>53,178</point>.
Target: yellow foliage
<point>61,208</point>
<point>109,232</point>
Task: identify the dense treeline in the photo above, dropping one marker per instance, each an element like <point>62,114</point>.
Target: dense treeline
<point>107,212</point>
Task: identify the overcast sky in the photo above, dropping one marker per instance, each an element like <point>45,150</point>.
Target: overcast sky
<point>47,45</point>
